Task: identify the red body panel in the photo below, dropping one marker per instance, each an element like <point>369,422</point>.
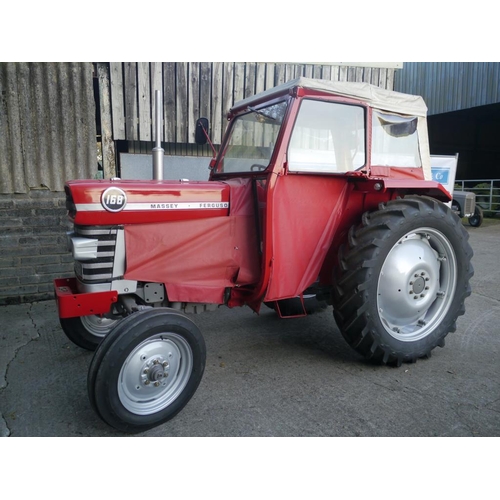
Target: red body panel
<point>150,201</point>
<point>198,259</point>
<point>72,303</point>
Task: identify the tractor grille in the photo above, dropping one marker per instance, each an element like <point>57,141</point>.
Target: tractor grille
<point>469,203</point>
<point>99,269</point>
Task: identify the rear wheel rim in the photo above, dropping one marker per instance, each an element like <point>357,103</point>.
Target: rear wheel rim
<point>417,284</point>
<point>155,373</point>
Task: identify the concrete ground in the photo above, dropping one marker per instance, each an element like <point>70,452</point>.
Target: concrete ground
<point>270,377</point>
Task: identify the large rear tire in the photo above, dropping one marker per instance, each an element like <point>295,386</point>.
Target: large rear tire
<point>402,280</point>
<point>146,370</point>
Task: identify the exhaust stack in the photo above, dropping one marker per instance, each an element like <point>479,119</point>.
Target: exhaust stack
<point>158,151</point>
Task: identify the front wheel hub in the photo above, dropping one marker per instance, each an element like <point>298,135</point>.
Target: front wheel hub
<point>154,373</point>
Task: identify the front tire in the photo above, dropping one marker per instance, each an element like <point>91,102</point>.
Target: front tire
<point>146,370</point>
<point>402,280</point>
<point>87,332</point>
<point>477,219</point>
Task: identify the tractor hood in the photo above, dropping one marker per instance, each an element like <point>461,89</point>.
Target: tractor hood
<point>104,202</point>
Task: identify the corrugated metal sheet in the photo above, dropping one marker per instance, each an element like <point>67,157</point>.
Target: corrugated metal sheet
<point>47,125</point>
<point>451,86</point>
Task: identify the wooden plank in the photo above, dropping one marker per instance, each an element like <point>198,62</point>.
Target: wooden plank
<point>280,73</point>
<point>289,72</point>
<point>181,102</point>
<point>342,74</point>
<point>375,76</point>
<point>308,71</point>
<point>156,84</point>
<point>250,79</point>
<point>327,72</point>
<point>107,142</point>
<point>205,96</point>
<point>260,77</point>
<point>351,74</point>
<point>359,75</point>
<point>216,119</point>
<point>335,73</point>
<point>144,97</point>
<point>390,78</point>
<point>299,70</point>
<point>117,101</point>
<point>367,75</point>
<point>383,78</point>
<point>317,71</point>
<point>239,82</point>
<point>238,93</point>
<point>194,99</point>
<point>227,88</point>
<point>169,102</point>
<point>270,75</point>
<point>205,89</point>
<point>131,117</point>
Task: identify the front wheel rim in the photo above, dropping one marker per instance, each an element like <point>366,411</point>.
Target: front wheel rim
<point>417,284</point>
<point>98,326</point>
<point>155,373</point>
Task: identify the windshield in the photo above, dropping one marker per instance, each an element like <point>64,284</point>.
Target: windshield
<point>252,139</point>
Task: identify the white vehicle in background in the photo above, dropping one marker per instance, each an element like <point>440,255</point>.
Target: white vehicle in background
<point>444,169</point>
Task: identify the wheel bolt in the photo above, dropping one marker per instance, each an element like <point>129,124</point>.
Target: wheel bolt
<point>157,384</point>
<point>145,371</point>
<point>147,382</point>
<point>416,297</point>
<point>165,364</point>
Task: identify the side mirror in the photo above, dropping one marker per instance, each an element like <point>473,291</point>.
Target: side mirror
<point>201,131</point>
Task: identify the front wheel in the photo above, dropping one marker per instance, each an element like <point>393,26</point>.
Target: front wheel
<point>477,219</point>
<point>87,332</point>
<point>146,370</point>
<point>402,280</point>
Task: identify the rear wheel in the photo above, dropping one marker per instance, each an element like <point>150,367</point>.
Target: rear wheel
<point>87,331</point>
<point>402,280</point>
<point>146,370</point>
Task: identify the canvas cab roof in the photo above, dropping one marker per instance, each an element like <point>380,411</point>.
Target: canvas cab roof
<point>377,97</point>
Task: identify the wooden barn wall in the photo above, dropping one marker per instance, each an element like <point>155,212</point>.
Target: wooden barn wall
<point>194,89</point>
<point>47,125</point>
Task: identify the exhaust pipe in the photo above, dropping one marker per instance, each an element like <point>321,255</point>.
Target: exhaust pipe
<point>158,151</point>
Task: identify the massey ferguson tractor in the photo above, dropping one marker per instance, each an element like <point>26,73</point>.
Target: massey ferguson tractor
<point>320,194</point>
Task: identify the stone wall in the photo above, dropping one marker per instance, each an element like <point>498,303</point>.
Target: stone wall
<point>33,247</point>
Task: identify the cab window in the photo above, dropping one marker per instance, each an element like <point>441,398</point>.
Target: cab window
<point>327,137</point>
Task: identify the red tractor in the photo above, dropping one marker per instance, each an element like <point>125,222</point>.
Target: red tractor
<point>317,196</point>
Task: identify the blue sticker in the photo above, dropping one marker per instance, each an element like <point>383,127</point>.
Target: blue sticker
<point>440,175</point>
